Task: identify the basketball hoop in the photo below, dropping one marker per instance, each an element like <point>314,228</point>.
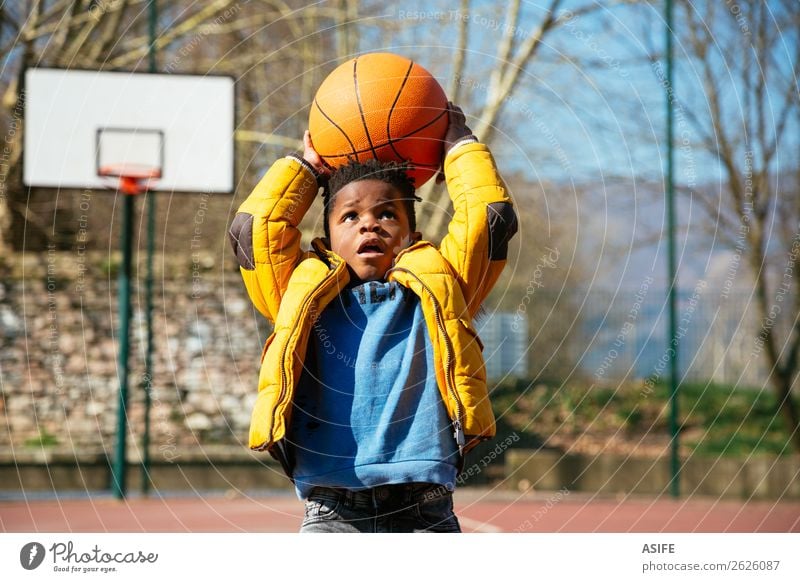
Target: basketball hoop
<point>130,178</point>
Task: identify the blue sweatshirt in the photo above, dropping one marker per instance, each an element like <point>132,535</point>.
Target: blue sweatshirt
<point>367,410</point>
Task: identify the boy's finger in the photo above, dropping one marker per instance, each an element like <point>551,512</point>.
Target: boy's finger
<point>457,115</point>
<point>325,168</point>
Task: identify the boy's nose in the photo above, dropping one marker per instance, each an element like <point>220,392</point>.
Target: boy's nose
<point>370,223</point>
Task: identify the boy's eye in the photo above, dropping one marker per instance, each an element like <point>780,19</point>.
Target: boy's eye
<point>387,214</point>
<point>349,216</point>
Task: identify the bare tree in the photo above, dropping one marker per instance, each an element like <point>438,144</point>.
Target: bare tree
<point>82,34</point>
<point>277,50</point>
<point>743,59</point>
<point>518,48</point>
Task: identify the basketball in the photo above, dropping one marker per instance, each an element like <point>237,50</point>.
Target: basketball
<point>383,106</point>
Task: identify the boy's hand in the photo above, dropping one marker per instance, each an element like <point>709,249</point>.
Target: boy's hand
<point>457,129</point>
<point>312,157</point>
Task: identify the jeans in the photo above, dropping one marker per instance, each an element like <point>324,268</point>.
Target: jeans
<point>405,507</point>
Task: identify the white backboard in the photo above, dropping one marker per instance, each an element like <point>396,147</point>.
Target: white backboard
<point>77,120</point>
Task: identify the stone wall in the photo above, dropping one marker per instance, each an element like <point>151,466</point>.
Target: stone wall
<point>58,353</point>
<point>749,478</point>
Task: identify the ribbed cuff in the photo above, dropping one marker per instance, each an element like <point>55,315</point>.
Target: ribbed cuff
<point>306,165</point>
<point>463,141</point>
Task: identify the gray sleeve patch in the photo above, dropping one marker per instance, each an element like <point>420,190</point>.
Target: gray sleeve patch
<point>502,226</point>
<point>241,237</point>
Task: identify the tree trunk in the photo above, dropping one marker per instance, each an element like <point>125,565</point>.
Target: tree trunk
<point>779,375</point>
<point>782,382</point>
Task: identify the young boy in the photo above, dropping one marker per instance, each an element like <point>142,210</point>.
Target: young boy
<point>372,384</point>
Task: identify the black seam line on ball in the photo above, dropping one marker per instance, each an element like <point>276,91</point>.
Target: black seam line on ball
<point>391,110</point>
<point>336,125</point>
<point>361,109</point>
<point>394,140</point>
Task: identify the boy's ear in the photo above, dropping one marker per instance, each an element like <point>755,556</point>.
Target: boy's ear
<point>415,237</point>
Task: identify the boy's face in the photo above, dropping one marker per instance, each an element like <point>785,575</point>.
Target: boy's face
<point>369,226</point>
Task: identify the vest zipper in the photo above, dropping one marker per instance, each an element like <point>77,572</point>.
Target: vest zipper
<point>311,296</point>
<point>458,422</point>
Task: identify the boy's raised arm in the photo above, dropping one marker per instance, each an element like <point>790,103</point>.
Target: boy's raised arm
<point>264,232</point>
<point>483,222</point>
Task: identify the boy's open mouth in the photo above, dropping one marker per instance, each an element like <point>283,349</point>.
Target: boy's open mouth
<point>370,247</point>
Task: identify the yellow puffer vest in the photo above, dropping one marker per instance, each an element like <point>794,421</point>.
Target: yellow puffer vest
<point>291,287</point>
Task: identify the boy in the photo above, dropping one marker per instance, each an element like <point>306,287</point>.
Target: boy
<point>372,384</point>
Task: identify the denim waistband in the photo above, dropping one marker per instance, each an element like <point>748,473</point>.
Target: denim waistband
<point>393,495</point>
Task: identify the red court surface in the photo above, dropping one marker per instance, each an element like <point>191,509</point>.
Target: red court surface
<point>478,511</point>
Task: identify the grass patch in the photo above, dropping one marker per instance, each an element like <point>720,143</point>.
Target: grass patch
<point>714,419</point>
<point>723,420</point>
<point>44,440</point>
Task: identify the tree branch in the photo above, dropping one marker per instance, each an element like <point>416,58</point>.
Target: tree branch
<point>110,34</point>
<point>501,86</point>
<point>190,25</point>
<point>789,105</point>
<point>454,90</point>
<point>260,137</point>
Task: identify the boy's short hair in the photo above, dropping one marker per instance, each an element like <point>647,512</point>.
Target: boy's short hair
<point>393,173</point>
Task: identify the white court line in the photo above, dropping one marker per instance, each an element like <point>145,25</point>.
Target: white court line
<point>479,525</point>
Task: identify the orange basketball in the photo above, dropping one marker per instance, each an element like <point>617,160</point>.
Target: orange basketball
<point>382,106</point>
